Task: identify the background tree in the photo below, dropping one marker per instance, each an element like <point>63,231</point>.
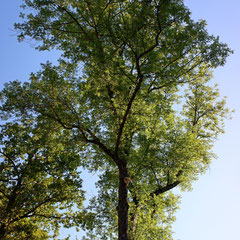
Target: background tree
<point>117,91</point>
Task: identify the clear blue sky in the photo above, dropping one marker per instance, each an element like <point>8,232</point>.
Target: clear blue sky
<point>211,211</point>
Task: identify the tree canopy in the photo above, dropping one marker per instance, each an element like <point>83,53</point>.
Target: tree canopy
<point>130,98</point>
<point>40,187</point>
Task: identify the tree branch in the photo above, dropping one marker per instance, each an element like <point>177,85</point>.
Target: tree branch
<point>165,189</point>
<point>11,160</point>
<point>27,214</point>
<point>5,195</point>
<point>129,105</point>
<point>72,17</point>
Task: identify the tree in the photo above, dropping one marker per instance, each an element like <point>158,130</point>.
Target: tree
<point>118,92</point>
<point>40,188</point>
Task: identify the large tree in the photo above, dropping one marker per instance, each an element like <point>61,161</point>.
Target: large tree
<point>131,89</point>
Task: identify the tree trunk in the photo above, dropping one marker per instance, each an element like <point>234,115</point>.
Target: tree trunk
<point>123,203</point>
<point>2,231</point>
<point>134,223</point>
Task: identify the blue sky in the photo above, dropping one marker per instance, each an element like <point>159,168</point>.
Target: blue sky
<point>211,211</point>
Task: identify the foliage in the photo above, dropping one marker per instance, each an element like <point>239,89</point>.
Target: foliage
<point>118,93</point>
<point>40,187</point>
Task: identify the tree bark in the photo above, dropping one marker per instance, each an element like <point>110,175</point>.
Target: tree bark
<point>134,220</point>
<point>123,203</point>
<point>2,231</point>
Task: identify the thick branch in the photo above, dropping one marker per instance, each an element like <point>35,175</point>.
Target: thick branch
<point>119,135</point>
<point>137,88</point>
<point>165,189</point>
